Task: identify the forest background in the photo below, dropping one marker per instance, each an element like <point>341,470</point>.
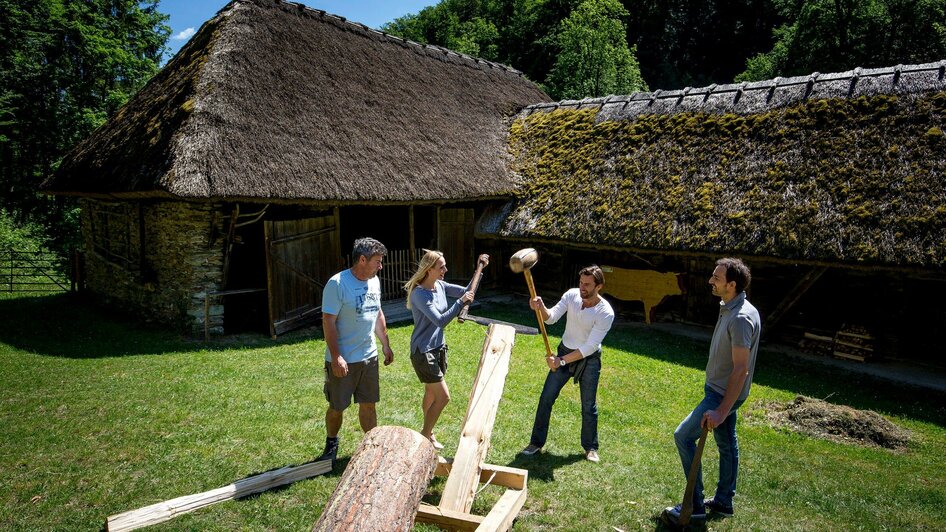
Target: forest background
<point>67,65</point>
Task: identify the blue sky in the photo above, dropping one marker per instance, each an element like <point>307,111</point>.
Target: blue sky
<point>188,15</point>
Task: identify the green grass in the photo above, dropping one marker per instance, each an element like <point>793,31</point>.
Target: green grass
<point>99,416</point>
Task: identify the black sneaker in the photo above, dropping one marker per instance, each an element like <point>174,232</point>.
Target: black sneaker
<point>716,507</point>
<point>331,450</point>
<point>673,513</point>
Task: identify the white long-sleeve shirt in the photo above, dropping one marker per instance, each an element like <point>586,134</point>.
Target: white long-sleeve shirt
<point>585,328</point>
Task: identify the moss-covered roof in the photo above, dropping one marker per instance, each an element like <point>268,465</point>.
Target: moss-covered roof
<point>856,177</point>
<point>275,101</point>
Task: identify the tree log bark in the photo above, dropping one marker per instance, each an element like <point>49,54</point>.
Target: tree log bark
<point>384,483</point>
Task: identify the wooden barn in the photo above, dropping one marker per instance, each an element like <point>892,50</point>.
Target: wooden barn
<point>231,187</point>
<point>831,186</point>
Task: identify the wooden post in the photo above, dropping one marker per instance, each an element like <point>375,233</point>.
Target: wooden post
<point>384,483</point>
<point>464,477</point>
<point>412,251</point>
<point>269,280</point>
<point>337,236</point>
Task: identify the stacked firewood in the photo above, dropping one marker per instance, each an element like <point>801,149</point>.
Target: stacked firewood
<point>854,342</point>
<point>851,342</point>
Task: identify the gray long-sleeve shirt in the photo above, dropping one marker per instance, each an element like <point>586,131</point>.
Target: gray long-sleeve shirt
<point>431,314</point>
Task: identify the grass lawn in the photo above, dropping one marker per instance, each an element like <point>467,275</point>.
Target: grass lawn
<point>99,416</point>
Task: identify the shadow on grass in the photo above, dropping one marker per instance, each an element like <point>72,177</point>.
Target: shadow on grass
<point>66,325</point>
<point>793,375</point>
<point>696,525</point>
<point>542,465</point>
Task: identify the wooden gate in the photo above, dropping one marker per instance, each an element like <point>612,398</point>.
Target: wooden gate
<point>300,256</point>
<point>455,240</point>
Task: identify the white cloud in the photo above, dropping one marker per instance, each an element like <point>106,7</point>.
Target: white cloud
<point>184,35</point>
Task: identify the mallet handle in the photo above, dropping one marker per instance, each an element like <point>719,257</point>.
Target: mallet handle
<point>687,509</point>
<point>474,284</point>
<point>538,313</point>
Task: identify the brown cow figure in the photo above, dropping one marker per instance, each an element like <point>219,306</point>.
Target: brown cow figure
<point>648,286</point>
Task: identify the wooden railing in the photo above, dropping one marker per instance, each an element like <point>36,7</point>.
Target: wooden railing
<point>397,268</point>
<point>33,271</point>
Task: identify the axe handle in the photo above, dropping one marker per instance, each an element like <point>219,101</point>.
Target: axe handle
<point>687,509</point>
<point>474,284</point>
<point>538,313</point>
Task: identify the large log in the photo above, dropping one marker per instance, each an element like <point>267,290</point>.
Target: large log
<point>384,483</point>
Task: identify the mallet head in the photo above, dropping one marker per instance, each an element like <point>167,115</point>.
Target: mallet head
<point>524,259</point>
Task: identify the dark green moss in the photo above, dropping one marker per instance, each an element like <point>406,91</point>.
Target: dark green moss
<point>861,180</point>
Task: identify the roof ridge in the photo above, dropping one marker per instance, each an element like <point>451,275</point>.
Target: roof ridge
<point>362,29</point>
<point>810,83</point>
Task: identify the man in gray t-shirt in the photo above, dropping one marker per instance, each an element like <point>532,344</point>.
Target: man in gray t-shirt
<point>729,373</point>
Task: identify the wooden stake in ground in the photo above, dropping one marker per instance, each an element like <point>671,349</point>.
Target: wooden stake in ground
<point>162,511</point>
<point>383,484</point>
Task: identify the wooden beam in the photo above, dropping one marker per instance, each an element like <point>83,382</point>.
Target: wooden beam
<point>507,477</point>
<point>487,390</point>
<point>163,511</point>
<point>794,295</point>
<point>504,512</point>
<point>448,519</point>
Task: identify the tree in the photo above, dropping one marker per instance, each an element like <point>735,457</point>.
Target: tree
<point>683,43</point>
<point>594,58</point>
<point>837,35</point>
<point>65,66</point>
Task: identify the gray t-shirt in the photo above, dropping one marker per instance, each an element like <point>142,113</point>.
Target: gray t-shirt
<point>738,325</point>
<point>430,311</point>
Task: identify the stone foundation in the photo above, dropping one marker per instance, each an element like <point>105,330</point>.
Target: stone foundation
<point>157,260</point>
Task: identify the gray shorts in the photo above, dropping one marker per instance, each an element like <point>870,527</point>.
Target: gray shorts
<point>430,366</point>
<point>361,382</point>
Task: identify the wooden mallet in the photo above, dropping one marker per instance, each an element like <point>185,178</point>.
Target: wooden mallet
<point>523,261</point>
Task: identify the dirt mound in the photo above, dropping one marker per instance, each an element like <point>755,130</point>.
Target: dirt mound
<point>837,423</point>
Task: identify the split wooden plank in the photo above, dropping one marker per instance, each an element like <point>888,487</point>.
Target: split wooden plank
<point>461,485</point>
<point>163,511</point>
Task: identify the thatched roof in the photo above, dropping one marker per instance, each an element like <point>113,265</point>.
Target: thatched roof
<point>273,100</point>
<point>838,168</point>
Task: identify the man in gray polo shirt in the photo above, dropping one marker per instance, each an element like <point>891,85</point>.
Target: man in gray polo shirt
<point>729,372</point>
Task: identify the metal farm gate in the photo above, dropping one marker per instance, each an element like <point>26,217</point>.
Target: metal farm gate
<point>34,271</point>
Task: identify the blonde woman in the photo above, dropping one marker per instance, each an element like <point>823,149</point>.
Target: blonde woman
<point>427,294</point>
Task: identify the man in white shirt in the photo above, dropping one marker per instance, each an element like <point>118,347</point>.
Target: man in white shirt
<point>588,319</point>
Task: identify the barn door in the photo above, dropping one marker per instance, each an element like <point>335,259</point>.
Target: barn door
<point>455,240</point>
<point>300,256</point>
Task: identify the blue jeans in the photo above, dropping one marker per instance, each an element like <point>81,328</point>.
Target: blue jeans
<point>689,432</point>
<point>588,388</point>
